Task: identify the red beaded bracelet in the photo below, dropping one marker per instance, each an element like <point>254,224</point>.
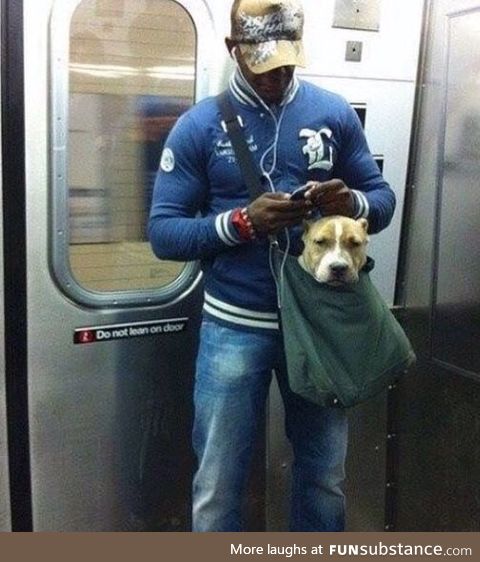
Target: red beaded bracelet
<point>241,221</point>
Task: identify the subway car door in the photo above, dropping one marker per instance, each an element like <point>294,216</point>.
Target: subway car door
<point>111,329</point>
<point>442,292</point>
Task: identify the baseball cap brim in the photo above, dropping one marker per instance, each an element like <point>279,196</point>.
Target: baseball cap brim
<point>263,57</point>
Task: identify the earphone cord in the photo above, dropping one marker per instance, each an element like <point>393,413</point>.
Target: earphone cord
<point>279,279</point>
<point>274,245</point>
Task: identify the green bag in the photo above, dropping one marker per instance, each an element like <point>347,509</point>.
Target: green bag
<point>342,344</point>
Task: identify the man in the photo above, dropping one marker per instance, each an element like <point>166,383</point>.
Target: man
<point>297,133</point>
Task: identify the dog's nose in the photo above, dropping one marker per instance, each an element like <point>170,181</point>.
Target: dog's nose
<point>338,268</point>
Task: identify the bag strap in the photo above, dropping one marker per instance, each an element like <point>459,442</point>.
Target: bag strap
<point>232,125</point>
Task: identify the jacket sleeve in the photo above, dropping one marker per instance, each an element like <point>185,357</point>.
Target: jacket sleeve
<point>176,229</point>
<point>375,200</point>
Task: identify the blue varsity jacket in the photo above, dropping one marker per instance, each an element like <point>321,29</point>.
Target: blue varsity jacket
<point>312,135</point>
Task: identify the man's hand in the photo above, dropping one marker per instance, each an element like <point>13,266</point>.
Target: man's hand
<point>331,197</point>
<point>271,212</point>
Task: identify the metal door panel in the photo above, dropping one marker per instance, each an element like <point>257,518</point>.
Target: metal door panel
<point>457,295</point>
<point>366,487</point>
<point>428,168</point>
<point>110,441</point>
<point>439,465</point>
<point>438,437</point>
<point>109,421</point>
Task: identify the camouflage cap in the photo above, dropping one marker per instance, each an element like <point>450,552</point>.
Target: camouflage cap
<point>269,33</point>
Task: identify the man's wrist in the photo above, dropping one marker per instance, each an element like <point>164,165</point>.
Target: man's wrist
<point>243,225</point>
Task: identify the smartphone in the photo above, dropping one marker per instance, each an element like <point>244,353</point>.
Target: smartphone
<point>299,193</point>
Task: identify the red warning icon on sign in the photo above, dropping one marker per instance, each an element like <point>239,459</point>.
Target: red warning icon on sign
<point>85,336</point>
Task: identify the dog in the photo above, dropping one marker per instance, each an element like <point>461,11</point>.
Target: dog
<point>335,249</point>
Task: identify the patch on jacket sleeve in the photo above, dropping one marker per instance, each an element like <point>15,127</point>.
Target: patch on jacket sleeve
<point>167,162</point>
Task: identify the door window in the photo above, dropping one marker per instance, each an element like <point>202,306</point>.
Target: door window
<point>131,73</point>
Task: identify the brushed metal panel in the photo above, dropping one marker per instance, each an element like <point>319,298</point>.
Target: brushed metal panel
<point>110,432</point>
<point>366,462</point>
<point>279,462</point>
<point>353,52</point>
<point>420,247</point>
<point>357,14</point>
<point>439,439</point>
<point>457,295</point>
<point>389,54</point>
<point>428,159</point>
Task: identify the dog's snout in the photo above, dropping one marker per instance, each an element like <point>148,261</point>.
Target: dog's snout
<point>338,268</point>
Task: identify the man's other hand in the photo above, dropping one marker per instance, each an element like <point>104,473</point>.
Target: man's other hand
<point>331,197</point>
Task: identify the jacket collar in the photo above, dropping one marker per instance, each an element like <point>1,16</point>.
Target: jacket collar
<point>244,93</point>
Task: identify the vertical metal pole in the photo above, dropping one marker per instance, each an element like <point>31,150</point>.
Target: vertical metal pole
<point>15,263</point>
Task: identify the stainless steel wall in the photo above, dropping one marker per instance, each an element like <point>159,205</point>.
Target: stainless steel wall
<point>439,434</point>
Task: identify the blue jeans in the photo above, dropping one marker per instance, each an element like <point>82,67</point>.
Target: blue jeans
<point>232,381</point>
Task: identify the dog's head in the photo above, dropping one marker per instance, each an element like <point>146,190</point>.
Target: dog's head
<point>335,249</point>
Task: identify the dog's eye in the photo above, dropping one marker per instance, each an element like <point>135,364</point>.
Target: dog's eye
<point>355,242</point>
<point>320,241</point>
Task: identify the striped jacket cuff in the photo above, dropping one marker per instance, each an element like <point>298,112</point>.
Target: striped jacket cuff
<point>240,316</point>
<point>225,229</point>
<point>362,208</point>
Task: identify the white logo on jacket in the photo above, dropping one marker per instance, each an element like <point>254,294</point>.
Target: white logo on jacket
<point>319,155</point>
<point>167,162</point>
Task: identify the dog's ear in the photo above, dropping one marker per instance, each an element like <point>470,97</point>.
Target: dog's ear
<point>364,224</point>
<point>306,226</point>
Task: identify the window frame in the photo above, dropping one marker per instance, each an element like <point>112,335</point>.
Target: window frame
<point>59,235</point>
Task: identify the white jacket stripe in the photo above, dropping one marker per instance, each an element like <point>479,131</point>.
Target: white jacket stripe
<point>240,311</point>
<point>239,320</point>
<point>223,231</point>
<point>363,206</point>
